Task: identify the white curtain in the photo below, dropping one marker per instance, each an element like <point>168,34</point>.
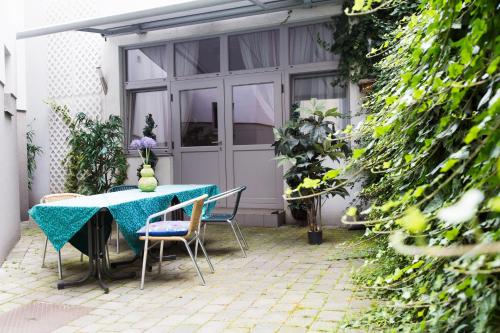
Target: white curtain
<point>321,88</point>
<point>259,49</point>
<point>158,54</point>
<point>154,103</point>
<point>304,47</point>
<point>147,63</point>
<point>186,58</point>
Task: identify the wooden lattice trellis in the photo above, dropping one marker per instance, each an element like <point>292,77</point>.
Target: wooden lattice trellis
<point>72,79</point>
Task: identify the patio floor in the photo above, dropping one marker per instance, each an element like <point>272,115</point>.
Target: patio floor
<point>284,285</point>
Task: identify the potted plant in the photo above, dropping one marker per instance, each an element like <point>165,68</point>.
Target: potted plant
<point>148,131</point>
<point>147,182</point>
<point>305,143</point>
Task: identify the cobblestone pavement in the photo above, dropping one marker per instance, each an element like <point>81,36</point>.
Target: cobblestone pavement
<point>284,285</point>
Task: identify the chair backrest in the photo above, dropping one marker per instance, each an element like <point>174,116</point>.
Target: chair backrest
<point>235,191</point>
<point>59,197</point>
<point>119,188</point>
<point>196,215</point>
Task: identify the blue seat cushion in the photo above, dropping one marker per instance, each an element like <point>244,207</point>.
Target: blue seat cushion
<point>216,217</point>
<point>165,229</point>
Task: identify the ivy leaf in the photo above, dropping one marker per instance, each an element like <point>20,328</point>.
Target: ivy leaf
<point>472,134</point>
<point>413,220</point>
<point>331,174</point>
<point>358,152</point>
<point>452,234</point>
<point>310,183</point>
<point>455,69</point>
<point>351,211</point>
<point>449,164</point>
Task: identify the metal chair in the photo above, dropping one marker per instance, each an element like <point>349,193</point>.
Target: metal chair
<point>119,188</point>
<point>228,218</point>
<point>177,231</point>
<point>52,198</point>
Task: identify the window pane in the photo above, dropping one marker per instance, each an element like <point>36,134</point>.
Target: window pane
<point>304,46</point>
<point>321,88</point>
<point>141,105</point>
<point>147,63</point>
<point>199,117</point>
<point>254,50</point>
<point>253,114</point>
<point>198,57</point>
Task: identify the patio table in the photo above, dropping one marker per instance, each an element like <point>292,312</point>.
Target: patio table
<point>62,220</point>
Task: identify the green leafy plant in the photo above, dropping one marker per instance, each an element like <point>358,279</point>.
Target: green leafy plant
<point>430,159</point>
<point>96,160</point>
<point>148,132</point>
<point>33,151</point>
<point>353,37</point>
<point>305,143</point>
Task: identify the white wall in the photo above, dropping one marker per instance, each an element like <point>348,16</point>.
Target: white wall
<point>9,167</point>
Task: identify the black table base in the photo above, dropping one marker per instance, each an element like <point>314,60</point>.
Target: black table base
<point>96,251</point>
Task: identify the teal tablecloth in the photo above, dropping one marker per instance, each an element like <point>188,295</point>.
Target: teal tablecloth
<point>61,220</point>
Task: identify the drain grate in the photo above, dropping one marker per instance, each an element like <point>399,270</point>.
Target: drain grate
<point>40,317</point>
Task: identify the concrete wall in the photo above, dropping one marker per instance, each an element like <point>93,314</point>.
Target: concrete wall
<point>9,162</point>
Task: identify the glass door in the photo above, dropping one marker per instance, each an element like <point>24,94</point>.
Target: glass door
<point>253,109</point>
<point>198,132</point>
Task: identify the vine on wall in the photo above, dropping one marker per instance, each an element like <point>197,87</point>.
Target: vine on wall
<point>429,151</point>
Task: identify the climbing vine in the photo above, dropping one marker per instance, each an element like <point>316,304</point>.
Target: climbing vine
<point>429,151</point>
<point>428,154</point>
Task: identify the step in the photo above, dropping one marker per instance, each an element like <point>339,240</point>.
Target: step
<point>253,217</point>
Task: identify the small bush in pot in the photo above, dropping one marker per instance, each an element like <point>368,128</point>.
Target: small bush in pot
<point>305,144</point>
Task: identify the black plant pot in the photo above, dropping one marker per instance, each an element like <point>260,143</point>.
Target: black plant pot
<point>315,237</point>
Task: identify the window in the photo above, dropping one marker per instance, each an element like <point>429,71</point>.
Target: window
<point>304,46</point>
<point>254,50</point>
<point>199,117</point>
<point>144,103</point>
<point>253,114</point>
<point>147,63</point>
<point>320,87</point>
<point>197,57</point>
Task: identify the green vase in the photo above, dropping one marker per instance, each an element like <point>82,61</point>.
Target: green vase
<point>148,182</point>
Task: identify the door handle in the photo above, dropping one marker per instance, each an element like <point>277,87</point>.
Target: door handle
<point>219,143</point>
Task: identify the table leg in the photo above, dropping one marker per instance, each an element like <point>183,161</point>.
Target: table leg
<point>103,268</point>
<point>91,270</point>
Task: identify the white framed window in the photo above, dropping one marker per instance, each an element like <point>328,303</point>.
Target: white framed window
<point>254,50</point>
<point>197,57</point>
<point>304,47</point>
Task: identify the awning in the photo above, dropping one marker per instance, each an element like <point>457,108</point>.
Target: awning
<point>174,15</point>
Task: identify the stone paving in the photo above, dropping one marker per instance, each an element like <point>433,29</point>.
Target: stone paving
<point>284,285</point>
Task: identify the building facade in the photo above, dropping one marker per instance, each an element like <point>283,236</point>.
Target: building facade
<point>215,91</point>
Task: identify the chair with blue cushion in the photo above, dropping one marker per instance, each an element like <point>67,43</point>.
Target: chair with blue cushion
<point>186,232</point>
<point>229,218</point>
<point>119,188</point>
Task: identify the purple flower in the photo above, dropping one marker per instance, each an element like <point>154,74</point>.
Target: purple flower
<point>148,143</point>
<point>136,144</point>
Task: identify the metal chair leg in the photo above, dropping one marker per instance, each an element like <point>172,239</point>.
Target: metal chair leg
<point>45,251</point>
<point>204,232</point>
<point>195,263</point>
<point>241,234</point>
<point>117,239</point>
<point>206,255</point>
<point>237,238</point>
<point>161,257</point>
<point>59,265</point>
<point>144,259</point>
